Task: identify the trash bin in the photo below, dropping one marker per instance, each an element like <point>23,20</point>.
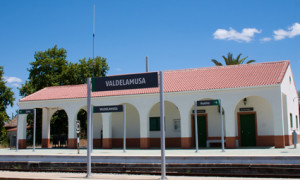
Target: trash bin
<point>13,140</point>
<point>295,138</point>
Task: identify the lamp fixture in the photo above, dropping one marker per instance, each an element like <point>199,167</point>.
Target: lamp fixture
<point>245,101</point>
<point>296,98</point>
<point>219,110</point>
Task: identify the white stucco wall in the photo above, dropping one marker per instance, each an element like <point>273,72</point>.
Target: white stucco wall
<point>178,105</point>
<point>97,125</point>
<point>288,88</point>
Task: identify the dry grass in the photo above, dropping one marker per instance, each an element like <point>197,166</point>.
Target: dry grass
<point>83,142</point>
<point>3,146</point>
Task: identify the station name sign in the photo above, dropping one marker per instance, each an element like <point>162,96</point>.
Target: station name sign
<point>26,111</point>
<point>247,109</point>
<point>199,111</point>
<point>130,81</point>
<point>106,109</point>
<point>208,103</point>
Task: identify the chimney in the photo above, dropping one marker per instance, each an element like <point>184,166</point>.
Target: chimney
<point>147,68</point>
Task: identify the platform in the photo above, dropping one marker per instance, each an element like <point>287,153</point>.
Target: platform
<point>264,155</point>
<point>80,176</point>
<point>237,162</point>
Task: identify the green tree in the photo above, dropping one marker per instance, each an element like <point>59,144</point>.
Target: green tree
<point>59,123</point>
<point>38,126</point>
<point>77,73</point>
<point>6,99</point>
<point>229,60</point>
<point>46,70</point>
<point>82,117</point>
<point>51,68</point>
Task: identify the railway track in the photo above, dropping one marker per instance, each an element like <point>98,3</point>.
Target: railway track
<point>232,170</point>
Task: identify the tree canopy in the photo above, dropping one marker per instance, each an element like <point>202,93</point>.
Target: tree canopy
<point>51,68</point>
<point>229,60</point>
<point>6,99</point>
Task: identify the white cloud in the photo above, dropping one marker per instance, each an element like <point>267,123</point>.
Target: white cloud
<point>266,39</point>
<point>246,35</point>
<point>15,85</point>
<point>118,69</point>
<point>291,32</point>
<point>12,79</point>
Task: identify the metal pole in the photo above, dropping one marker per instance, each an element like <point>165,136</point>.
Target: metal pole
<point>147,67</point>
<point>34,129</point>
<point>89,159</point>
<point>162,128</point>
<point>295,139</point>
<point>17,139</point>
<point>92,128</point>
<point>222,126</point>
<point>78,143</point>
<point>93,72</point>
<point>124,125</point>
<point>196,125</point>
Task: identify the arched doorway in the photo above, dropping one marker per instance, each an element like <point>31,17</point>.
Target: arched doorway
<point>132,128</point>
<point>254,122</point>
<point>30,128</point>
<point>208,125</point>
<point>82,117</point>
<point>172,125</point>
<point>59,129</point>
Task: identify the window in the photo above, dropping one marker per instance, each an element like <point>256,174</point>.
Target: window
<point>297,122</point>
<point>291,120</point>
<point>154,123</point>
<point>177,124</point>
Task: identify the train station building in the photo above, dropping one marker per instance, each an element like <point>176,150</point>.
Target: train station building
<point>259,108</point>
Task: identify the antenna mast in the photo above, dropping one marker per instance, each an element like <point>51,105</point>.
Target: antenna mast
<point>93,39</point>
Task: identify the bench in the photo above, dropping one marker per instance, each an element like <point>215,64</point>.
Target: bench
<point>213,141</point>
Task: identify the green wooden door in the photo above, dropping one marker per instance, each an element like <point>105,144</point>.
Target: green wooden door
<point>201,122</point>
<point>248,135</point>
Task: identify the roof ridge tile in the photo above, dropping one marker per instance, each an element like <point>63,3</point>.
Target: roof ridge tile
<point>228,66</point>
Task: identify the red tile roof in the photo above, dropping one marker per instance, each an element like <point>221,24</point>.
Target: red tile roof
<point>15,129</point>
<point>12,123</point>
<point>218,77</point>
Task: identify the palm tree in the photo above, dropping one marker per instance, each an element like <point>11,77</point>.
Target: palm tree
<point>232,61</point>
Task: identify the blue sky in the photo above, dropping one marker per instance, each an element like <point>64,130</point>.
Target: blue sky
<point>175,34</point>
